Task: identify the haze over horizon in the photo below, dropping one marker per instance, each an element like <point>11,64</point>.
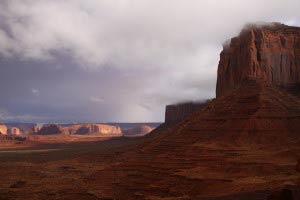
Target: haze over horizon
<point>119,60</point>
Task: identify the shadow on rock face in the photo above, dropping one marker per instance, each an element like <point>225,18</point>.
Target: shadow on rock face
<point>286,194</point>
<point>82,131</point>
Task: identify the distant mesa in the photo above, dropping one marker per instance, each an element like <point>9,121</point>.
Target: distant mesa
<point>13,131</point>
<point>36,128</point>
<point>50,129</point>
<point>10,135</point>
<point>84,129</point>
<point>3,129</point>
<point>269,52</point>
<point>92,129</point>
<point>24,128</point>
<point>80,129</point>
<point>8,130</point>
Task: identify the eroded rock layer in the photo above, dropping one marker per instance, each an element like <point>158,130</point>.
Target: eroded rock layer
<point>270,52</point>
<point>13,131</point>
<point>92,129</point>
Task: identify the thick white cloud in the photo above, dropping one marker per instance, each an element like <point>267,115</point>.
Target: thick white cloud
<point>171,46</point>
<point>129,33</point>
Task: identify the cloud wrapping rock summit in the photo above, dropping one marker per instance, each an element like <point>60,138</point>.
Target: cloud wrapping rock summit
<point>165,51</point>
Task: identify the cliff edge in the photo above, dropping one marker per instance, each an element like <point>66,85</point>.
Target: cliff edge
<point>270,52</point>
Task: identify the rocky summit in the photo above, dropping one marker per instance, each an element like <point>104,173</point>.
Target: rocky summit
<point>270,52</point>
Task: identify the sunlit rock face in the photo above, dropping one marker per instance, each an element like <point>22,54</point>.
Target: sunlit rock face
<point>177,112</point>
<point>36,128</point>
<point>270,52</point>
<point>3,129</point>
<point>13,131</point>
<point>92,129</point>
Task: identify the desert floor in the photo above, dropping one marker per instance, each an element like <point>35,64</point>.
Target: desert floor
<point>121,169</point>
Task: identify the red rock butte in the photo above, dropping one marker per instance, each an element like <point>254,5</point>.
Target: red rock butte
<point>270,52</point>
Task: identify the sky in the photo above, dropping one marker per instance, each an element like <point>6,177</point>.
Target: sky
<point>67,61</point>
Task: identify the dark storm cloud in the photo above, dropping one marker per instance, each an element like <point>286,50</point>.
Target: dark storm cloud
<point>117,60</point>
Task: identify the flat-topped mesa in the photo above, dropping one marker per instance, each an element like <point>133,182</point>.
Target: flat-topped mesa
<point>92,129</point>
<point>81,129</point>
<point>13,131</point>
<point>268,52</point>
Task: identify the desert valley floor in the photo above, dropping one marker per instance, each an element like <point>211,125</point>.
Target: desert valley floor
<point>99,170</point>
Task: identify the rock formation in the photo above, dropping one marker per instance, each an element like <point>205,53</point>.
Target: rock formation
<point>92,129</point>
<point>138,130</point>
<point>250,107</point>
<point>270,52</point>
<point>25,128</point>
<point>13,131</point>
<point>3,129</point>
<point>36,128</point>
<point>177,112</point>
<point>79,129</point>
<point>50,129</point>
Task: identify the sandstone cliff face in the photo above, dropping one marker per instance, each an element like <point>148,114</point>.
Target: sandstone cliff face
<point>25,128</point>
<point>13,131</point>
<point>92,129</point>
<point>3,129</point>
<point>177,112</point>
<point>36,128</point>
<point>81,129</point>
<point>269,52</point>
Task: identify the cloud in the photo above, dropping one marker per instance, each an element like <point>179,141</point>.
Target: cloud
<point>128,33</point>
<point>35,92</point>
<point>96,100</point>
<point>6,116</point>
<point>139,54</point>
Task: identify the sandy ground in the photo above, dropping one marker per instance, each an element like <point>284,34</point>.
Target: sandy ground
<point>117,169</point>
